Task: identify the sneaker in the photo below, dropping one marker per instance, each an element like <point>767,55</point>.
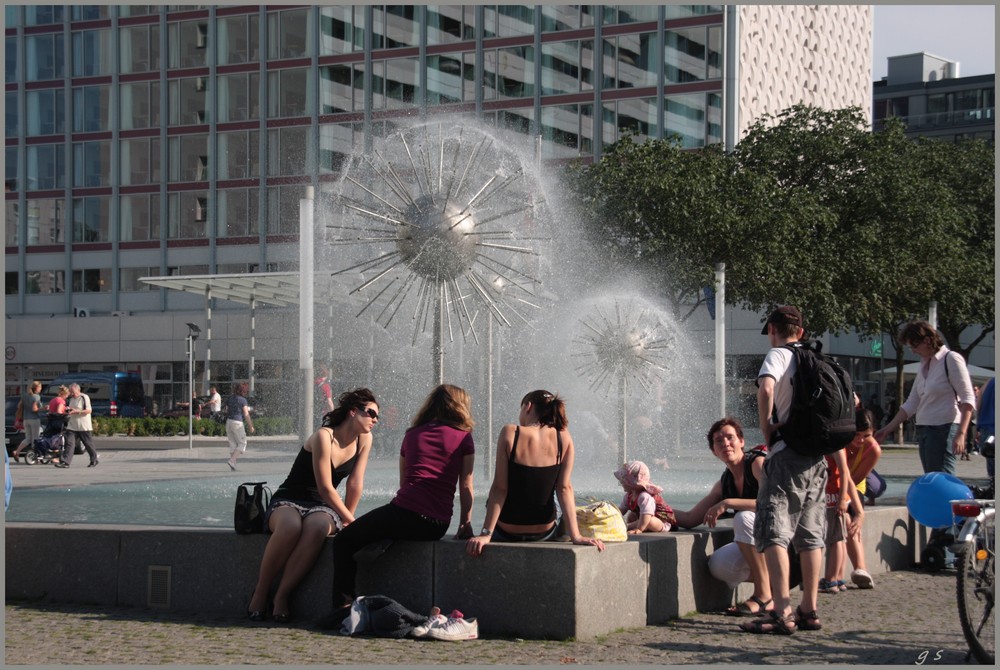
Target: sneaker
<point>862,579</point>
<point>456,630</point>
<point>435,620</point>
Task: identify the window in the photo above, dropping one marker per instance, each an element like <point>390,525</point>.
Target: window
<point>342,29</point>
<point>286,151</point>
<point>508,20</point>
<point>92,53</point>
<point>11,16</point>
<point>402,83</point>
<point>91,107</point>
<point>140,217</point>
<point>46,167</point>
<point>140,105</point>
<point>140,161</point>
<point>239,96</point>
<point>562,66</point>
<point>91,219</point>
<point>10,59</point>
<point>188,215</point>
<point>187,101</point>
<point>44,56</point>
<point>238,39</point>
<point>450,23</point>
<point>46,112</point>
<point>92,281</point>
<point>46,223</point>
<point>336,89</point>
<point>629,13</point>
<point>89,12</point>
<point>187,158</point>
<point>397,24</point>
<point>44,282</point>
<point>685,117</point>
<point>684,11</point>
<point>560,128</point>
<point>288,93</point>
<point>12,222</point>
<point>128,279</point>
<point>444,79</point>
<point>12,281</point>
<point>693,54</point>
<point>12,118</point>
<point>636,117</point>
<point>630,61</point>
<point>336,144</point>
<point>11,171</point>
<point>283,209</point>
<point>40,15</point>
<point>515,71</point>
<point>566,17</point>
<point>92,163</point>
<point>239,154</point>
<point>289,33</point>
<point>139,48</point>
<point>187,42</point>
<point>238,213</point>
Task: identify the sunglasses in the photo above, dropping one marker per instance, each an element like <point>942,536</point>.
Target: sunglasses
<point>369,411</point>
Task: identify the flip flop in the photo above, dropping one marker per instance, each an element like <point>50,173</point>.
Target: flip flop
<point>743,609</point>
<point>772,623</point>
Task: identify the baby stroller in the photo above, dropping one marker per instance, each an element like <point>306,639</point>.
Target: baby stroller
<point>44,449</point>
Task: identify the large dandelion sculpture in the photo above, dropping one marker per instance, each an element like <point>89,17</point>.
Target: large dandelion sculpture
<point>622,351</point>
<point>440,212</point>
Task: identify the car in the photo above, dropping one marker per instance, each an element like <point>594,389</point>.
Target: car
<point>180,410</point>
<point>111,393</point>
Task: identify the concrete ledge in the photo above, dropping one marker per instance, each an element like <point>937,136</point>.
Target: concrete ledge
<point>551,590</point>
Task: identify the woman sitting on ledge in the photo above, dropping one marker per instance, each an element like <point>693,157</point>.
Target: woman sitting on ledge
<point>736,490</point>
<point>306,508</point>
<point>534,463</point>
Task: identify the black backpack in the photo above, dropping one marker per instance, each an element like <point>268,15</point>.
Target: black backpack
<point>821,418</point>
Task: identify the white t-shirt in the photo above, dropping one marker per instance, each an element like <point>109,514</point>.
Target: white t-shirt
<point>779,364</point>
<point>79,422</point>
<point>215,403</point>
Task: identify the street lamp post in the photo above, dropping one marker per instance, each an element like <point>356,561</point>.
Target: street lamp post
<point>193,332</point>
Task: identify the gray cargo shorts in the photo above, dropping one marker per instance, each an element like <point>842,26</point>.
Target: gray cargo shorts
<point>791,505</point>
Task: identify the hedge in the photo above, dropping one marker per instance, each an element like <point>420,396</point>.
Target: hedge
<point>158,427</point>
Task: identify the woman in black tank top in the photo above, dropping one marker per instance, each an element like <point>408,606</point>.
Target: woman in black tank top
<point>307,508</point>
<point>533,467</point>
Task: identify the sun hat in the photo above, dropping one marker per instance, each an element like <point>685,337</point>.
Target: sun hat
<point>636,474</point>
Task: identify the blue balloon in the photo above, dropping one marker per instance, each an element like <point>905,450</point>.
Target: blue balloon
<point>929,498</point>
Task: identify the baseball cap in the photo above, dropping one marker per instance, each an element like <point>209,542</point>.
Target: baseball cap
<point>783,314</point>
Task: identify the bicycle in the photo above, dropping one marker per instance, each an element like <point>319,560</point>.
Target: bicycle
<point>975,555</point>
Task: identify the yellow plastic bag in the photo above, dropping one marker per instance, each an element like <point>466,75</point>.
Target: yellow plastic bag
<point>601,520</point>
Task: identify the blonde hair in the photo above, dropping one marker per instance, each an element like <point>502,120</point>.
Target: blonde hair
<point>63,390</point>
<point>449,405</point>
<point>35,385</point>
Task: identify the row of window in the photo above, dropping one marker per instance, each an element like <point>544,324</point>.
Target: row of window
<point>630,61</point>
<point>99,280</point>
<point>566,131</point>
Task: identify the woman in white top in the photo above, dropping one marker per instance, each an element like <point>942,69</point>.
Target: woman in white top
<point>941,398</point>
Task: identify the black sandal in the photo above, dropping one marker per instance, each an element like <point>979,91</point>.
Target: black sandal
<point>807,620</point>
<point>743,609</point>
<point>772,623</point>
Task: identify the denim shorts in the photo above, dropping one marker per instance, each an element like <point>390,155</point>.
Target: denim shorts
<point>791,504</point>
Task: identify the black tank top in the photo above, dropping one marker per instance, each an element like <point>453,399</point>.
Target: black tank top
<point>750,484</point>
<point>531,490</point>
<point>301,481</point>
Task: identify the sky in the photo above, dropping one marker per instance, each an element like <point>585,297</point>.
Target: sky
<point>963,33</point>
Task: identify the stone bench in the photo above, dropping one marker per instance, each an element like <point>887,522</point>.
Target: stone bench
<point>547,590</point>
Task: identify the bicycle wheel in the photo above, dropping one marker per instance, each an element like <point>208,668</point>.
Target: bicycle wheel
<point>975,595</point>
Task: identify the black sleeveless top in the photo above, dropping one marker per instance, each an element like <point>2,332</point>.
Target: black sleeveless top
<point>531,490</point>
<point>750,484</point>
<point>301,481</point>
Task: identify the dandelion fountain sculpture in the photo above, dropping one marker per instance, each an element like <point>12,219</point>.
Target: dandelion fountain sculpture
<point>621,351</point>
<point>438,213</point>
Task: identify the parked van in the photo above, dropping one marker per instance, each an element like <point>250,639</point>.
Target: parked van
<point>111,393</point>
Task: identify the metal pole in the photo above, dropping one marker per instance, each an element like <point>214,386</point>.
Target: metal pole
<point>437,350</point>
<point>622,423</point>
<point>208,336</point>
<point>932,313</point>
<point>720,334</point>
<point>306,305</point>
<point>190,340</point>
<point>489,396</point>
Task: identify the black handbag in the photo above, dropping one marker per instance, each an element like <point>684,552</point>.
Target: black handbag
<point>252,500</point>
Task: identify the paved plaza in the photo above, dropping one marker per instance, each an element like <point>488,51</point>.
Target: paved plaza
<point>910,618</point>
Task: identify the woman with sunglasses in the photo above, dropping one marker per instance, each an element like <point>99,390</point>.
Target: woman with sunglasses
<point>533,466</point>
<point>437,455</point>
<point>306,508</point>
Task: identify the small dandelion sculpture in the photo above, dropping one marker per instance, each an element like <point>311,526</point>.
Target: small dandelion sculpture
<point>444,215</point>
<point>628,349</point>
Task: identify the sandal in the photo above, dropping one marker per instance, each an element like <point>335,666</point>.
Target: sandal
<point>807,620</point>
<point>743,609</point>
<point>772,623</point>
<point>828,586</point>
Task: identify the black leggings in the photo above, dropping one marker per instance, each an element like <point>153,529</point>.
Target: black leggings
<point>386,522</point>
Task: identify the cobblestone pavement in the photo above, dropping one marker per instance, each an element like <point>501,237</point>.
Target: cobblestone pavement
<point>911,617</point>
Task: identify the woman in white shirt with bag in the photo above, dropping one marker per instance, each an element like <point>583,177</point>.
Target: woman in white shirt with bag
<point>942,399</point>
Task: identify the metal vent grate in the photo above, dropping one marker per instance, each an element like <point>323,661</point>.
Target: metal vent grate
<point>158,586</point>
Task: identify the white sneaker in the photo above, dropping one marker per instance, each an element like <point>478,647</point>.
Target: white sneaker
<point>455,630</point>
<point>862,579</point>
<point>435,620</point>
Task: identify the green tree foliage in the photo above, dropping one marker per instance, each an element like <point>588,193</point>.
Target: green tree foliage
<point>859,229</point>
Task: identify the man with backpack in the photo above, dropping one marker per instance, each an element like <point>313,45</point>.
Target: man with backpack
<point>800,404</point>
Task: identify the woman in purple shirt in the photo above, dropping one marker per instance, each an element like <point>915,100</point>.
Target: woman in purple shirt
<point>435,458</point>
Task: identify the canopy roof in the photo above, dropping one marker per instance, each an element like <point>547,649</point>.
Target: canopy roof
<point>977,373</point>
<point>273,288</point>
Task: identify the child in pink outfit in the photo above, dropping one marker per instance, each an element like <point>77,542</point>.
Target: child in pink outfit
<point>642,505</point>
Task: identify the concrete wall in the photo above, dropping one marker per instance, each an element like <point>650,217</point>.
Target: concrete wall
<point>551,590</point>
